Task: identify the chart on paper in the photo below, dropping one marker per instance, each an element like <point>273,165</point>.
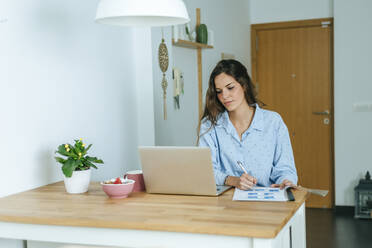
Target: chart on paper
<point>260,194</point>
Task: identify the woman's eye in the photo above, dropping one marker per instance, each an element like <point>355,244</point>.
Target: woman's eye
<point>218,92</point>
<point>230,88</point>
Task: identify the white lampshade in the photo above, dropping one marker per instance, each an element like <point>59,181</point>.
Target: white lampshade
<point>142,12</point>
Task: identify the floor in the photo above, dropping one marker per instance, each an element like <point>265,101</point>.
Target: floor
<point>337,228</point>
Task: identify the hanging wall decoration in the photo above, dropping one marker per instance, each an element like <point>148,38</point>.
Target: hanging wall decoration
<point>163,63</point>
<point>178,86</point>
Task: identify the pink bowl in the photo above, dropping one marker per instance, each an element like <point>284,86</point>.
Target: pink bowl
<point>118,191</point>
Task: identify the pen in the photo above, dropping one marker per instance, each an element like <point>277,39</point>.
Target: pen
<point>241,166</point>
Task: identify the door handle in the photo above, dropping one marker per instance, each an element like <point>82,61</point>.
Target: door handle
<point>325,112</point>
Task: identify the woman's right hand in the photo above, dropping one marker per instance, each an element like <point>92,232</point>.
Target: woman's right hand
<point>244,182</point>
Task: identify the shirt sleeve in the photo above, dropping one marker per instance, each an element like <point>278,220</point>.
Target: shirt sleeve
<point>208,139</point>
<point>283,164</point>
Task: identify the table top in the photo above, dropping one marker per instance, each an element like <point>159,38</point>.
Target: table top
<point>51,205</point>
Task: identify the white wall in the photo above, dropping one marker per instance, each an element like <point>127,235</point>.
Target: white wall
<point>353,135</point>
<point>142,51</point>
<point>230,22</point>
<point>63,77</point>
<point>262,11</point>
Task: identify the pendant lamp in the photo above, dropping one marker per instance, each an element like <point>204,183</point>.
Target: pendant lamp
<point>150,13</point>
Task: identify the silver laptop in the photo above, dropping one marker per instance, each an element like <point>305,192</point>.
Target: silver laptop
<point>179,170</point>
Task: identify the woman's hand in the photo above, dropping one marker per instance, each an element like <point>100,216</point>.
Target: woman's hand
<point>284,184</point>
<point>244,182</point>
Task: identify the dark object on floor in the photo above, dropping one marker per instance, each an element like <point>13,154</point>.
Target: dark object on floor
<point>336,228</point>
<point>363,198</point>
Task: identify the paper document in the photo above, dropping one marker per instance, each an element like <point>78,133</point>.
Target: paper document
<point>260,194</point>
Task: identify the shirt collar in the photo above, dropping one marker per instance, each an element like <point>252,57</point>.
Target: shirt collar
<point>224,121</point>
<point>257,122</point>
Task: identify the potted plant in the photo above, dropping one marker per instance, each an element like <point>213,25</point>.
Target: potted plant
<point>76,166</point>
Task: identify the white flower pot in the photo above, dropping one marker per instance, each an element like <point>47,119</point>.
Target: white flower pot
<point>78,183</point>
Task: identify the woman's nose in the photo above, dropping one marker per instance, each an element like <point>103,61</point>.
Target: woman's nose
<point>225,94</point>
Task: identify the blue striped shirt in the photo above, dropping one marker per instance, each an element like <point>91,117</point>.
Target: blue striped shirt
<point>265,148</point>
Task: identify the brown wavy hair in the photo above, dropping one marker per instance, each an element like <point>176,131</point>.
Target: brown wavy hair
<point>213,107</point>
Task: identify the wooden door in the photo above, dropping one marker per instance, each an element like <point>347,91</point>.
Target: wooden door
<point>292,68</point>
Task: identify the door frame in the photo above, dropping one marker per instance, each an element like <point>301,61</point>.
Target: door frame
<point>255,28</point>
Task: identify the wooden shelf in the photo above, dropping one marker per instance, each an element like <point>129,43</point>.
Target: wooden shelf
<point>190,44</point>
<point>198,47</point>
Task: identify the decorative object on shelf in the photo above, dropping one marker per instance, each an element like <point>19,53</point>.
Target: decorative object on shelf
<point>210,37</point>
<point>163,63</point>
<point>178,88</point>
<point>202,34</point>
<point>76,166</point>
<point>142,12</point>
<point>363,198</point>
<point>189,32</point>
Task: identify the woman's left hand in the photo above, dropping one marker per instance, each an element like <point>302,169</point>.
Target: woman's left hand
<point>284,184</point>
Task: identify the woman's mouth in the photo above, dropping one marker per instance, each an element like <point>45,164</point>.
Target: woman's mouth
<point>227,103</point>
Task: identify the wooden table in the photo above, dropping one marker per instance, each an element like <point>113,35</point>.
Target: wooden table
<point>151,220</point>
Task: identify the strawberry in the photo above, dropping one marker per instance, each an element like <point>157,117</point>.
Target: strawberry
<point>117,181</point>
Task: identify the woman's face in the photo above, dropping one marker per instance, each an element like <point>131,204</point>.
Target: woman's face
<point>229,92</point>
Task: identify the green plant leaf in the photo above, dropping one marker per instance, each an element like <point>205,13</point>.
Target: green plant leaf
<point>89,164</point>
<point>79,164</point>
<point>94,160</point>
<point>73,151</point>
<point>78,148</point>
<point>60,160</point>
<point>69,167</point>
<point>84,168</point>
<point>83,151</point>
<point>62,150</point>
<point>88,148</point>
<point>88,158</point>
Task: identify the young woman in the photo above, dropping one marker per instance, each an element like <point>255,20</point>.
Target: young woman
<point>238,131</point>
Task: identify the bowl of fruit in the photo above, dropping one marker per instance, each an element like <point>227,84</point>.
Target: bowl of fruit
<point>118,187</point>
